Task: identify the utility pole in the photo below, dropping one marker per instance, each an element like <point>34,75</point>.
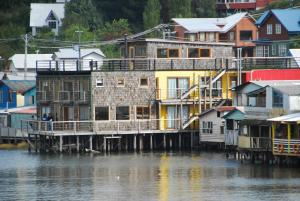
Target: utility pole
<point>79,51</point>
<point>26,39</point>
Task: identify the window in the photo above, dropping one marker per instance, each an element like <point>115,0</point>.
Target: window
<point>207,127</point>
<point>162,53</point>
<point>278,28</point>
<point>142,113</point>
<point>45,86</point>
<point>192,37</point>
<point>198,53</point>
<point>211,37</point>
<point>101,113</point>
<point>233,84</point>
<point>173,53</point>
<point>218,114</point>
<point>84,113</point>
<point>282,49</point>
<point>266,51</point>
<point>277,99</point>
<point>204,52</point>
<point>99,83</point>
<point>122,113</point>
<point>144,82</point>
<point>245,35</point>
<point>52,24</point>
<point>259,51</point>
<point>222,130</point>
<point>274,49</point>
<point>201,36</point>
<point>140,51</point>
<point>231,36</point>
<point>269,29</point>
<point>31,100</point>
<point>10,96</point>
<point>120,82</point>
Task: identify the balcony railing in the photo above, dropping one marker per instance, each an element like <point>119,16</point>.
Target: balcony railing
<point>176,94</point>
<point>44,96</point>
<point>286,147</point>
<point>261,143</point>
<point>63,96</point>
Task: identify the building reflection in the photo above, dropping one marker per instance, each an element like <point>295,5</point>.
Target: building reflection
<point>164,178</point>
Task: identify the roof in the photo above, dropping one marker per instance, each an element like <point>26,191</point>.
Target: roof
<point>40,11</point>
<point>222,25</point>
<point>70,53</point>
<point>18,60</point>
<point>289,18</point>
<point>295,53</point>
<point>20,86</point>
<point>157,40</point>
<point>235,114</point>
<point>20,110</point>
<point>287,118</point>
<point>225,108</point>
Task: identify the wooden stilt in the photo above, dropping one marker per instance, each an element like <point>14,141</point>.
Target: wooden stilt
<point>60,144</point>
<point>77,143</point>
<point>165,142</point>
<point>104,144</point>
<point>179,141</point>
<point>141,143</point>
<point>134,143</point>
<point>126,143</point>
<point>119,144</point>
<point>151,142</point>
<point>91,142</point>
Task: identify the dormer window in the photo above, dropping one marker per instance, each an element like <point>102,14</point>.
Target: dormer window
<point>52,24</point>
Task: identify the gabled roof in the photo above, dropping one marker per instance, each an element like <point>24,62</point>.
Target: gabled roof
<point>18,60</point>
<point>19,86</point>
<point>295,53</point>
<point>40,11</point>
<point>70,53</point>
<point>235,114</point>
<point>289,18</point>
<point>222,25</point>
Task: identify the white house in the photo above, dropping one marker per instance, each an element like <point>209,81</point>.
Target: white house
<point>17,63</point>
<point>68,58</point>
<point>47,15</point>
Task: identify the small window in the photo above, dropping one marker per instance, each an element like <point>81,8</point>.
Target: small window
<point>204,52</point>
<point>274,47</point>
<point>218,114</point>
<point>144,82</point>
<point>122,113</point>
<point>222,130</point>
<point>162,53</point>
<point>52,24</point>
<point>269,29</point>
<point>142,113</point>
<point>173,53</point>
<point>278,28</point>
<point>231,36</point>
<point>101,113</point>
<point>121,82</point>
<point>99,83</point>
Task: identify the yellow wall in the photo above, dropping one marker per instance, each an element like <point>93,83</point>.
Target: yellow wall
<point>20,100</point>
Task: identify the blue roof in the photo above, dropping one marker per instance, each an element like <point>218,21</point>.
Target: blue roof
<point>289,18</point>
<point>18,85</point>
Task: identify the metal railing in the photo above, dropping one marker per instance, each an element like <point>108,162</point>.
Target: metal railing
<point>176,94</point>
<point>44,96</point>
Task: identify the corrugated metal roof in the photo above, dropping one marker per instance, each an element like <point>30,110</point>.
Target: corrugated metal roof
<point>295,53</point>
<point>287,118</point>
<point>18,60</point>
<point>19,85</point>
<point>222,25</point>
<point>40,11</point>
<point>70,53</point>
<point>289,18</point>
<point>20,110</point>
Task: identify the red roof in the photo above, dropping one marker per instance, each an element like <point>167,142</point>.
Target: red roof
<point>225,108</point>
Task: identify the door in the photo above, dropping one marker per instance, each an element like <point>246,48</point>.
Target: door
<point>171,117</point>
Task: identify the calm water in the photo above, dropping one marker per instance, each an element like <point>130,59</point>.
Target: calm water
<point>147,176</point>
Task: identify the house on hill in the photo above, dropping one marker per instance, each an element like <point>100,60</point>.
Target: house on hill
<point>239,29</point>
<point>47,15</point>
<point>17,93</point>
<point>275,28</point>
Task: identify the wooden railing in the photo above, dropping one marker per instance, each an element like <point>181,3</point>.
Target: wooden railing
<point>261,143</point>
<point>286,147</point>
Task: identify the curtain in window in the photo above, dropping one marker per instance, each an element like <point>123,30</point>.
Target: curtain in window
<point>171,116</point>
<point>172,88</point>
<point>183,85</point>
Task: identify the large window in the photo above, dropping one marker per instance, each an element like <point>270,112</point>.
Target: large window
<point>245,35</point>
<point>122,113</point>
<point>162,53</point>
<point>140,51</point>
<point>198,53</point>
<point>142,113</point>
<point>207,127</point>
<point>167,53</point>
<point>282,49</point>
<point>101,113</point>
<point>173,53</point>
<point>277,99</point>
<point>269,29</point>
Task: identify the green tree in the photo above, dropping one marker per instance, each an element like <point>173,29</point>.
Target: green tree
<point>180,8</point>
<point>151,15</point>
<point>114,30</point>
<point>70,33</point>
<point>204,8</point>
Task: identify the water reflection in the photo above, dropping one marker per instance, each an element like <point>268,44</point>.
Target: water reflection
<point>146,176</point>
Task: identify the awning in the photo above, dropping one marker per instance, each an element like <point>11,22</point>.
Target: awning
<point>287,118</point>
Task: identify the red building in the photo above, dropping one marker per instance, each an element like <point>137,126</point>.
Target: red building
<point>272,74</point>
<point>227,7</point>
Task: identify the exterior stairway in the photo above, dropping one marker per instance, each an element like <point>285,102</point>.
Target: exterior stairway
<point>190,121</point>
<point>187,93</point>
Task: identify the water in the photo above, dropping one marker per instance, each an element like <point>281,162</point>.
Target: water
<point>147,176</point>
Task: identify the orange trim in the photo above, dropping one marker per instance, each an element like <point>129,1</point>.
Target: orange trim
<point>296,148</point>
<point>280,148</point>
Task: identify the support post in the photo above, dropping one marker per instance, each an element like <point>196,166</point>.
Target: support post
<point>151,142</point>
<point>77,143</point>
<point>165,142</point>
<point>104,144</point>
<point>134,143</point>
<point>119,144</point>
<point>289,138</point>
<point>141,143</point>
<point>60,144</point>
<point>126,143</point>
<point>192,140</point>
<point>91,142</point>
<point>179,141</point>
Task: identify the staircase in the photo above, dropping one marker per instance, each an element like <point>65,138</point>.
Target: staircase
<point>187,93</point>
<point>190,121</point>
<point>219,75</point>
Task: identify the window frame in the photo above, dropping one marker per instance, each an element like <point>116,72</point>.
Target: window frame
<point>108,113</point>
<point>278,29</point>
<point>140,82</point>
<point>143,112</point>
<point>269,29</point>
<point>119,79</point>
<point>98,81</point>
<point>199,50</point>
<point>117,113</point>
<point>168,53</point>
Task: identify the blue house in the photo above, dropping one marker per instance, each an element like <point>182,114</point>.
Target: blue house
<point>17,93</point>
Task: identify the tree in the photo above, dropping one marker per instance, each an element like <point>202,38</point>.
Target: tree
<point>114,30</point>
<point>204,8</point>
<point>71,35</point>
<point>151,15</point>
<point>180,8</point>
<point>83,13</point>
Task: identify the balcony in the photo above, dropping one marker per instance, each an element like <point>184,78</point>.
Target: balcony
<point>44,96</point>
<point>286,147</point>
<point>72,96</point>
